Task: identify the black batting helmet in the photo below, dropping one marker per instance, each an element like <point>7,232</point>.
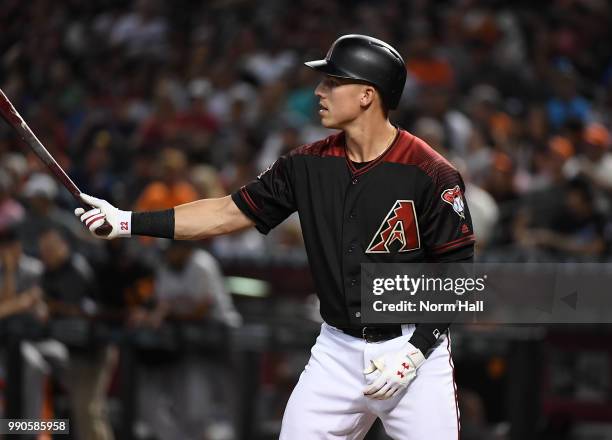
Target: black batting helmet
<point>366,59</point>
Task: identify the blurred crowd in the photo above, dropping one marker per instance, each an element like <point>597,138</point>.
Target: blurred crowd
<point>150,104</point>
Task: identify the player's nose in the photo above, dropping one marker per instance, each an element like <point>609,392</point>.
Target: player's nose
<point>319,90</point>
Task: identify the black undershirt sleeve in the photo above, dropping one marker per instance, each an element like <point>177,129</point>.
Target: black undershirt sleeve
<point>426,334</point>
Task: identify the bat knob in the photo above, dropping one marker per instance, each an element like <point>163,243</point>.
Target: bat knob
<point>104,230</point>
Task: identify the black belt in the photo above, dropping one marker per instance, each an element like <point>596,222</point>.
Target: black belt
<point>374,333</point>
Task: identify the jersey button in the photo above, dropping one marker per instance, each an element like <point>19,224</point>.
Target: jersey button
<point>351,249</point>
<point>357,314</point>
<point>355,181</point>
<point>352,215</point>
<point>353,282</point>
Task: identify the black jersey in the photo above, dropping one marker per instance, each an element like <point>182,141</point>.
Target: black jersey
<point>405,206</point>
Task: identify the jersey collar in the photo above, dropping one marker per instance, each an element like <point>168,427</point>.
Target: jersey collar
<point>358,172</point>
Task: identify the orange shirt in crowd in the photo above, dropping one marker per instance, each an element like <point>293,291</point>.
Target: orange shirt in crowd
<point>431,72</point>
<point>159,195</point>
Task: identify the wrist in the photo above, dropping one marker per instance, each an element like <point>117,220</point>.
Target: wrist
<point>124,223</point>
<point>153,223</point>
<point>414,354</point>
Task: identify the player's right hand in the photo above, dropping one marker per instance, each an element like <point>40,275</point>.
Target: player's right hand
<point>396,370</point>
<point>119,221</point>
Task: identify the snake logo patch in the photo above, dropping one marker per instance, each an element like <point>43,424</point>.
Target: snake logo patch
<point>454,197</point>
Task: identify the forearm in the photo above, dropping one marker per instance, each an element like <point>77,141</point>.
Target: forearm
<point>594,247</point>
<point>8,286</point>
<point>161,311</point>
<point>15,305</point>
<point>9,307</point>
<point>207,218</point>
<point>570,245</point>
<point>191,221</point>
<point>197,311</point>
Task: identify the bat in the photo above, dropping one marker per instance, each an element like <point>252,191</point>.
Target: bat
<point>14,119</point>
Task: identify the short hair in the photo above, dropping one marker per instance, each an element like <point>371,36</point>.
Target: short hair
<point>9,234</point>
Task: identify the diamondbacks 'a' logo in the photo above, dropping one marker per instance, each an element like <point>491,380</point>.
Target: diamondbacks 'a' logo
<point>454,197</point>
<point>401,226</point>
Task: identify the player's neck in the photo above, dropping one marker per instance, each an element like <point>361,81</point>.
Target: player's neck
<point>366,141</point>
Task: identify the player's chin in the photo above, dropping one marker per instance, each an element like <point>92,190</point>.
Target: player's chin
<point>327,121</point>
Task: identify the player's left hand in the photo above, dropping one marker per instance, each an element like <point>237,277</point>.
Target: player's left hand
<point>101,212</point>
<point>397,369</point>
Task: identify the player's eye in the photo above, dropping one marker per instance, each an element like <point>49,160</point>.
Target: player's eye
<point>332,82</point>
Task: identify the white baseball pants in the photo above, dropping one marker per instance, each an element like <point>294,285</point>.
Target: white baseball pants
<point>328,401</point>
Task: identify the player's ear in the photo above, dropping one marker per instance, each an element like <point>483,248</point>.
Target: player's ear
<point>367,95</point>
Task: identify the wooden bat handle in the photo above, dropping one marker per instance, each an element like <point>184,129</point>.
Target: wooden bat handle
<point>14,119</point>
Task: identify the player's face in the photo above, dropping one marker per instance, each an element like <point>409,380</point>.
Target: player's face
<point>339,101</point>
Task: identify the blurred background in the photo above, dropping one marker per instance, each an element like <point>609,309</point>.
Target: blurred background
<point>151,103</point>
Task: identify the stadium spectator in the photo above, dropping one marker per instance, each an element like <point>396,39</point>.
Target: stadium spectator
<point>186,397</point>
<point>172,186</point>
<point>11,211</point>
<point>70,289</point>
<point>41,192</point>
<point>595,160</point>
<point>21,299</point>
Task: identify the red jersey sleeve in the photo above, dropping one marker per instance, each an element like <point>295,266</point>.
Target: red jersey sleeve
<point>446,222</point>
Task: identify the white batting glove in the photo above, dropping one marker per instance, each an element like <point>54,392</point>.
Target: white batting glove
<point>120,221</point>
<point>397,369</point>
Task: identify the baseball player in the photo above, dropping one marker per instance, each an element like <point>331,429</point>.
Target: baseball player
<point>370,193</point>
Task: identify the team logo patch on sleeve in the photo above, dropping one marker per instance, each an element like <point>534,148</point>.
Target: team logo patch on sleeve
<point>454,197</point>
<point>399,228</point>
<point>266,170</point>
